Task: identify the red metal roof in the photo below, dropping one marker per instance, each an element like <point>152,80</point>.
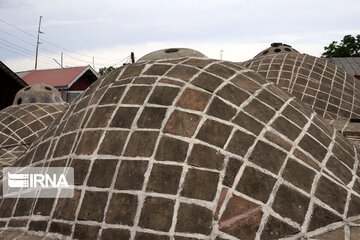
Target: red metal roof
<point>54,77</point>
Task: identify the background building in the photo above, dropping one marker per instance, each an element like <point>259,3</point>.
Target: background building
<point>69,81</point>
<point>10,85</point>
<point>350,64</point>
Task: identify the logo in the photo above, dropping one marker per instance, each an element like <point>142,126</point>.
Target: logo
<point>36,180</point>
<point>40,182</point>
<point>18,180</point>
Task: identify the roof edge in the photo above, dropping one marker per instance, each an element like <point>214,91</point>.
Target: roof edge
<point>88,67</point>
<point>8,71</point>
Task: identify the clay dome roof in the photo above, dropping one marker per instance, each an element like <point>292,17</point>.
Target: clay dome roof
<point>171,53</point>
<point>37,93</point>
<point>193,149</point>
<point>329,90</point>
<point>326,88</point>
<point>276,48</point>
<point>21,125</point>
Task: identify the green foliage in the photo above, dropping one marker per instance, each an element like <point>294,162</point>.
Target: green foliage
<point>105,70</point>
<point>348,47</point>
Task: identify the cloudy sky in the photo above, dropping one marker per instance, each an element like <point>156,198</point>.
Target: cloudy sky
<point>109,30</point>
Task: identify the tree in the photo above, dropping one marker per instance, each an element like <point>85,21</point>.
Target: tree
<point>348,47</point>
<point>105,70</point>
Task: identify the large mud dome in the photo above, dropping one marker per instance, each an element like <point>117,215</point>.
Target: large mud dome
<point>191,148</point>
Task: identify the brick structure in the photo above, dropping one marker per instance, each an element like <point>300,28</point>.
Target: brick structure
<point>325,87</point>
<point>192,148</point>
<point>171,53</point>
<point>37,93</point>
<point>276,48</point>
<point>23,122</point>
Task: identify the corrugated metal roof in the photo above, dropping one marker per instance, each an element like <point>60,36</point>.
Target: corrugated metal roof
<point>61,77</point>
<point>350,64</point>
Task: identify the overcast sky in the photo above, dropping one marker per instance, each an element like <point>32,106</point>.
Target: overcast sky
<point>110,29</point>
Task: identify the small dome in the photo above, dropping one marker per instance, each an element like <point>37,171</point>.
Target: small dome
<point>199,148</point>
<point>37,93</point>
<point>21,125</point>
<point>277,48</point>
<point>171,53</point>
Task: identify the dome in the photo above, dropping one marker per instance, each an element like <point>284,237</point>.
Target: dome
<point>192,149</point>
<point>171,53</point>
<point>326,88</point>
<point>37,93</point>
<point>276,48</point>
<point>21,125</point>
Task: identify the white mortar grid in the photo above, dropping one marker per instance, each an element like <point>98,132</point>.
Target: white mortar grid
<point>314,186</point>
<point>279,182</point>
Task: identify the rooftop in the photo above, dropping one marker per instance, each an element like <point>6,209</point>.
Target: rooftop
<point>59,77</point>
<point>350,64</point>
